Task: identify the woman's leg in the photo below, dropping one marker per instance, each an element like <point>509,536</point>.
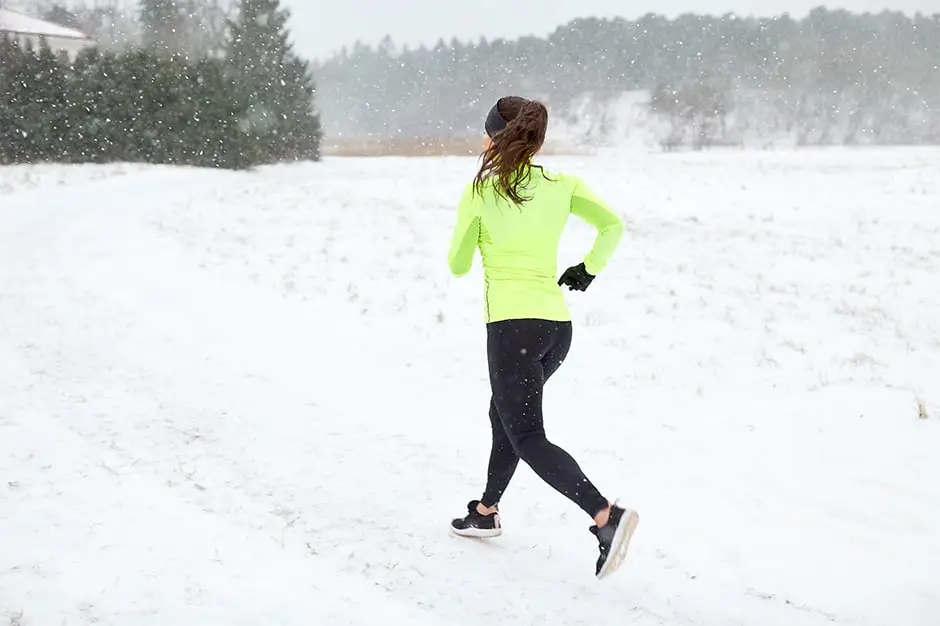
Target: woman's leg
<point>503,457</point>
<point>482,519</point>
<point>503,461</point>
<point>521,353</point>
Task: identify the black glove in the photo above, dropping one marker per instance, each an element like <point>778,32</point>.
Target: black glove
<point>576,277</point>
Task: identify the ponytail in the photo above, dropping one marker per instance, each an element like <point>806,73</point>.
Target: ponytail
<point>509,157</point>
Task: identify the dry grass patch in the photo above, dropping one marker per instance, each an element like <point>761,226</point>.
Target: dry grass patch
<point>375,146</point>
<point>922,408</point>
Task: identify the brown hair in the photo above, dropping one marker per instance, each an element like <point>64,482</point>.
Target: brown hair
<point>509,157</point>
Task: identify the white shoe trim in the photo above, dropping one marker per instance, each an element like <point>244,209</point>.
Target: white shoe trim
<point>620,543</point>
<point>483,533</point>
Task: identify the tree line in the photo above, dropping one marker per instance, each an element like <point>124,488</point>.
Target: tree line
<point>832,77</point>
<point>234,95</point>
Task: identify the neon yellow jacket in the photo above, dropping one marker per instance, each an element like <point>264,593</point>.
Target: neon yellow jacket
<point>519,244</point>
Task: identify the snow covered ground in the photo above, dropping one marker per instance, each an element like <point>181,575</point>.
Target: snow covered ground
<point>258,398</point>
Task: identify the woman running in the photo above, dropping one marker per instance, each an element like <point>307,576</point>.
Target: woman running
<point>515,212</point>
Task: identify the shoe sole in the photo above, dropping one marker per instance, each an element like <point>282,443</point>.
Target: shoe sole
<point>478,533</point>
<point>620,544</point>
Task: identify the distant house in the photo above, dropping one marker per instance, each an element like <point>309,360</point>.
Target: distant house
<point>25,28</point>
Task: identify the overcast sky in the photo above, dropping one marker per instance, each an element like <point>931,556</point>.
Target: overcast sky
<point>321,28</point>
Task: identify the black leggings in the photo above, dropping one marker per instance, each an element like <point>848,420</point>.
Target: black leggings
<point>522,355</point>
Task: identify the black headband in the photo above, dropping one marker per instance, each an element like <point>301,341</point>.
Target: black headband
<point>495,122</point>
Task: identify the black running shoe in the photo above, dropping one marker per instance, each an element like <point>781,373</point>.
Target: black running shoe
<point>476,525</point>
<point>614,539</point>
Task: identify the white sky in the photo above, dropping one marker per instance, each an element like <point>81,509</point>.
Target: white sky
<point>321,28</point>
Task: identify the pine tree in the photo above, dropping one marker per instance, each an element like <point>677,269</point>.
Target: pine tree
<point>136,107</point>
<point>33,98</point>
<point>14,97</point>
<point>105,106</point>
<point>217,138</point>
<point>276,89</point>
<point>48,102</point>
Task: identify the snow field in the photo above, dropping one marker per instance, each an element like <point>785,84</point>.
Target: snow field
<point>259,397</point>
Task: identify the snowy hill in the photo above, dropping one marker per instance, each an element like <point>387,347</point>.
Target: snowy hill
<point>258,398</point>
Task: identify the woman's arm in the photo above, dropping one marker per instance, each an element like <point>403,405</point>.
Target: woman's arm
<point>465,236</point>
<point>590,207</point>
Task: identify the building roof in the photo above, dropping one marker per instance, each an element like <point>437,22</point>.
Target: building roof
<point>13,22</point>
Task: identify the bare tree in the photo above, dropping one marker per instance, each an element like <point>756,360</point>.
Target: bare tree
<point>696,108</point>
<point>192,28</point>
